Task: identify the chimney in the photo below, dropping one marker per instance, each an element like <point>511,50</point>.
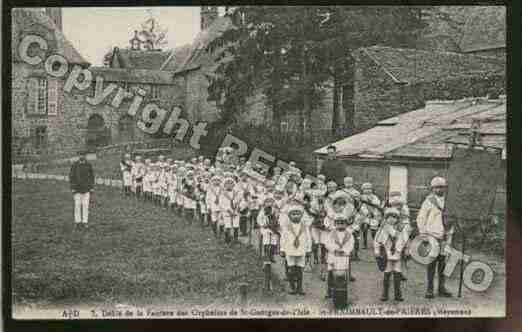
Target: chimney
<point>207,16</point>
<point>55,13</point>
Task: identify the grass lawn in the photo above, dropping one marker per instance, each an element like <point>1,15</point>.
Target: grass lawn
<point>132,253</point>
<point>108,166</point>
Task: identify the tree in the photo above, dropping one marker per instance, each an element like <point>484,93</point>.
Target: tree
<point>289,53</point>
<point>152,34</point>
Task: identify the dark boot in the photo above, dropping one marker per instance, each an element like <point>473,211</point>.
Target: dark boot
<point>266,252</point>
<point>355,256</point>
<point>397,286</point>
<point>365,238</point>
<point>442,278</point>
<point>227,236</point>
<point>329,287</point>
<point>236,235</point>
<point>315,253</point>
<point>243,225</point>
<point>323,254</point>
<point>356,248</point>
<point>272,253</point>
<point>292,280</point>
<point>385,286</point>
<point>221,230</point>
<point>299,272</point>
<point>430,274</point>
<point>287,271</point>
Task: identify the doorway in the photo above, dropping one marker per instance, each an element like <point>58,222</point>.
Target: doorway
<point>398,180</point>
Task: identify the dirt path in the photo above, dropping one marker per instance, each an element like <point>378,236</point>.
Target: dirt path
<point>365,291</point>
<point>367,288</point>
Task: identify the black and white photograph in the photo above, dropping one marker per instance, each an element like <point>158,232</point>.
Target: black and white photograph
<point>203,162</point>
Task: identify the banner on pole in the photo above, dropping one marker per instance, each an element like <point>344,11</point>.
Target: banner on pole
<point>473,177</point>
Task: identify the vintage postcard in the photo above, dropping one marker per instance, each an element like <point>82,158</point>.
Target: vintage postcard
<point>258,162</point>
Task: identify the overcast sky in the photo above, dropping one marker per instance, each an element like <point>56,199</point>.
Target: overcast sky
<point>94,30</point>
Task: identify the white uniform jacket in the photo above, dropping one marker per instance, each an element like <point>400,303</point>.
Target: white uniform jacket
<point>292,231</point>
<point>342,241</point>
<point>429,218</point>
<point>387,235</point>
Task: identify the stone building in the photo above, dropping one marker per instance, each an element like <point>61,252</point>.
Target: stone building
<point>385,81</point>
<point>39,107</point>
<point>479,30</point>
<point>389,81</point>
<point>404,152</point>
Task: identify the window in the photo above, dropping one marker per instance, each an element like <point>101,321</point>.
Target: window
<point>155,91</point>
<point>52,97</point>
<point>40,137</point>
<point>37,96</point>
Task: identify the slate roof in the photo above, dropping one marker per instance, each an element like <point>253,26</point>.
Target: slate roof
<point>32,20</point>
<point>176,58</point>
<point>412,65</point>
<point>485,29</point>
<point>133,75</point>
<point>138,59</point>
<point>425,133</point>
<point>198,56</point>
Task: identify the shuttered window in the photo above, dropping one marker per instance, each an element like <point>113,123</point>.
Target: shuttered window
<point>52,97</point>
<point>37,96</point>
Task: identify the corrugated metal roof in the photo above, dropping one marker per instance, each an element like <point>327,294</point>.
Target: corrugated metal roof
<point>420,150</point>
<point>425,133</point>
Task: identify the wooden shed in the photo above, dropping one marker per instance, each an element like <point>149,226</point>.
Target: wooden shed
<point>405,152</point>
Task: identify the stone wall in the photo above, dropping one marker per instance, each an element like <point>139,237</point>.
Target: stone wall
<point>169,95</point>
<point>377,96</point>
<point>197,107</point>
<point>258,112</point>
<point>62,135</point>
<point>67,130</point>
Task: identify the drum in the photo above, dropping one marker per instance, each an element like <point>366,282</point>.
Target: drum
<point>340,274</point>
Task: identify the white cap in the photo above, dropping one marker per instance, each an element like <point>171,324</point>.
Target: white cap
<point>331,184</point>
<point>294,207</point>
<point>391,211</point>
<point>366,185</point>
<point>438,182</point>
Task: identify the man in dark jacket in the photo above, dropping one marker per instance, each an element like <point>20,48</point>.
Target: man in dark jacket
<point>81,179</point>
<point>332,168</point>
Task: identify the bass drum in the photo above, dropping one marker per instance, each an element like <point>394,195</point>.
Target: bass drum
<point>340,280</point>
<point>340,291</point>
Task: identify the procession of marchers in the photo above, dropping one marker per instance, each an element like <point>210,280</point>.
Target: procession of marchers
<point>307,222</point>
